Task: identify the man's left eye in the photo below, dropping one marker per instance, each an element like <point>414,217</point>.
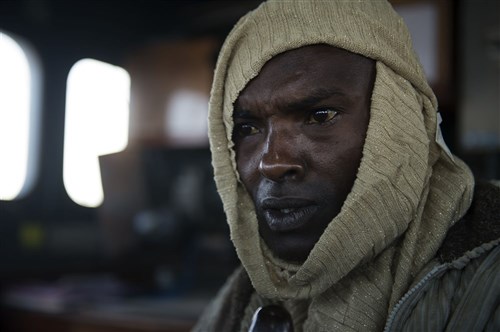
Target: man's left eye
<point>321,116</point>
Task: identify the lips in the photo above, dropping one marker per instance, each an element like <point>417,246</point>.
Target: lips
<point>287,214</point>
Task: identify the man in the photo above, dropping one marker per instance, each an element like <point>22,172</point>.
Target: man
<point>345,206</point>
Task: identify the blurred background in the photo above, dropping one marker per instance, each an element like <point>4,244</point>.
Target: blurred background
<point>109,217</point>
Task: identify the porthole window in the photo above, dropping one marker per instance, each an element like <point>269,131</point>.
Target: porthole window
<point>19,91</point>
<point>97,117</point>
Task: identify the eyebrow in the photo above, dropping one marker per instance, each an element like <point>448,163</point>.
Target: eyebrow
<point>311,99</point>
<point>242,113</point>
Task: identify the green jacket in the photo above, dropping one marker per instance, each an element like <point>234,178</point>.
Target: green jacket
<point>459,290</point>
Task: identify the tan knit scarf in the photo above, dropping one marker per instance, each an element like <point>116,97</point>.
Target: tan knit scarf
<point>408,192</point>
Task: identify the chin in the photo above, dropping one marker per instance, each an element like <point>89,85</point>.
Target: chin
<point>290,249</point>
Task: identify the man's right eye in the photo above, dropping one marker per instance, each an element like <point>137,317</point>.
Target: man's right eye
<point>245,129</point>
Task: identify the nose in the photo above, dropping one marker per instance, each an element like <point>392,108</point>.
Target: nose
<point>281,159</point>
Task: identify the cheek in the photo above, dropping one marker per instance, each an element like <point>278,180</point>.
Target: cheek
<point>247,165</point>
<point>339,160</point>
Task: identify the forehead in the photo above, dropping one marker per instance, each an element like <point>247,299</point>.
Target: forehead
<point>296,72</point>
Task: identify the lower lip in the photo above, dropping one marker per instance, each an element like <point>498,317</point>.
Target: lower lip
<point>289,219</point>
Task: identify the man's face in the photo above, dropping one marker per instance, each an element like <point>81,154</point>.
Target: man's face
<point>299,131</point>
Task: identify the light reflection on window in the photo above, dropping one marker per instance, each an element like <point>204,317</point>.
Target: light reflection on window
<point>97,117</point>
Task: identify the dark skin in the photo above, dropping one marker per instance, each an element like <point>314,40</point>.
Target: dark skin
<point>300,127</point>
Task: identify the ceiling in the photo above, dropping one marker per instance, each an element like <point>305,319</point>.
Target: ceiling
<point>117,25</point>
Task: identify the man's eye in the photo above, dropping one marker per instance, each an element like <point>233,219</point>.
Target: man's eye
<point>243,130</point>
<point>321,116</point>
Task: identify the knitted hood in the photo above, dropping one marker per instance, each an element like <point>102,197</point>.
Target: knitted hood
<point>409,189</point>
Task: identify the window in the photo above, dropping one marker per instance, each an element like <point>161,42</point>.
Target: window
<point>19,102</point>
<point>97,117</point>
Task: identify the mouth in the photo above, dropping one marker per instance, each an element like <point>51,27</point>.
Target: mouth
<point>287,214</point>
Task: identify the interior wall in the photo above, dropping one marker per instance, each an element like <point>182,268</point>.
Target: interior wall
<point>479,67</point>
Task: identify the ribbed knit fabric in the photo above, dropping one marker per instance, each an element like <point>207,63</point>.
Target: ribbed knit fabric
<point>408,191</point>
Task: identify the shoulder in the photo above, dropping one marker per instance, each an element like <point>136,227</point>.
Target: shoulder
<point>461,295</point>
<point>481,224</point>
<point>225,311</point>
<point>461,288</point>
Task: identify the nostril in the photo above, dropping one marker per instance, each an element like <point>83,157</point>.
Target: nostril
<point>281,157</point>
<point>281,170</point>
